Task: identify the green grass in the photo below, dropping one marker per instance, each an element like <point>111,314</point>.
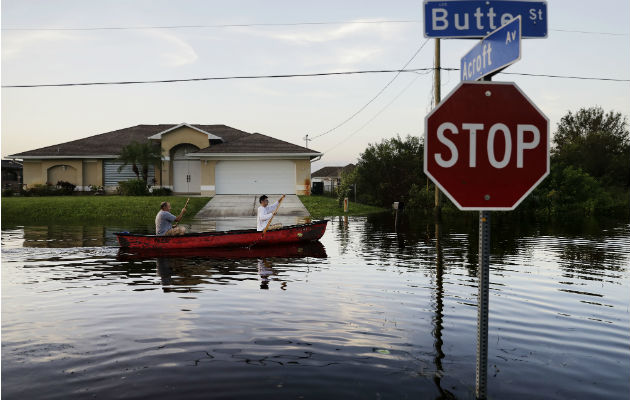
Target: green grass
<point>322,206</point>
<point>134,209</point>
<point>102,209</point>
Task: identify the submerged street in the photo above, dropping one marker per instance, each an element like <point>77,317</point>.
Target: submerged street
<point>370,312</point>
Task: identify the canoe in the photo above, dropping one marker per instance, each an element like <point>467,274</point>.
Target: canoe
<point>291,250</point>
<point>236,238</point>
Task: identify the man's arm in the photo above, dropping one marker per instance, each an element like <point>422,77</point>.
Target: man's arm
<point>275,205</point>
<point>181,214</point>
<point>265,216</point>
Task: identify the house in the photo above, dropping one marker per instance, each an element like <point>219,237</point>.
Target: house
<point>196,159</point>
<point>11,174</point>
<point>330,177</point>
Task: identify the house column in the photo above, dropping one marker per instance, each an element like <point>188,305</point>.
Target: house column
<point>166,174</point>
<point>208,187</point>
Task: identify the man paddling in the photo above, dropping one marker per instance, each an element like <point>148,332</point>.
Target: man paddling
<point>164,221</point>
<point>265,213</point>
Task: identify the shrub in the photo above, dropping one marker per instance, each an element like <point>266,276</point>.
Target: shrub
<point>7,192</point>
<point>133,187</point>
<point>65,188</point>
<point>42,190</point>
<point>420,198</point>
<point>162,192</point>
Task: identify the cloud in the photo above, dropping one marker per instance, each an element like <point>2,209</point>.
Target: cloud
<point>18,42</point>
<point>355,56</point>
<point>177,52</point>
<point>329,33</point>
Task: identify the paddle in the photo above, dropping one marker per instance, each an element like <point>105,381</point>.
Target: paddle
<point>177,222</point>
<point>272,215</point>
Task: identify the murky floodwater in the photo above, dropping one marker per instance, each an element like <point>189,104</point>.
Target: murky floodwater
<point>368,313</point>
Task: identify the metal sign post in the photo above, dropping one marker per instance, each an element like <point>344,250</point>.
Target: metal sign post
<point>483,274</point>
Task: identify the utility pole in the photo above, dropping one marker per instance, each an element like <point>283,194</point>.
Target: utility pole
<point>306,139</point>
<point>436,90</point>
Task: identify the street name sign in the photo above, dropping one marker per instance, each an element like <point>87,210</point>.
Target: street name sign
<point>493,53</point>
<point>476,19</point>
<point>486,146</point>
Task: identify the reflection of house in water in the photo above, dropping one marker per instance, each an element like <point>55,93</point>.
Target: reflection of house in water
<point>65,236</point>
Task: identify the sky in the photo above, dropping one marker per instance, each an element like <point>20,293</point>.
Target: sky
<point>343,113</point>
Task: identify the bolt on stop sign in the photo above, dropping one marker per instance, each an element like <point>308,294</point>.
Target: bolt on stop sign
<point>486,146</point>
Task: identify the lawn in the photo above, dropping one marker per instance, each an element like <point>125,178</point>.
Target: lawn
<point>135,209</point>
<point>79,209</point>
<point>322,206</point>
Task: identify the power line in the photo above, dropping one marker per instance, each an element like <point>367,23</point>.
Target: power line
<point>272,24</point>
<point>590,32</point>
<point>112,28</point>
<point>565,76</point>
<point>217,78</point>
<point>375,115</point>
<point>592,78</point>
<point>377,94</point>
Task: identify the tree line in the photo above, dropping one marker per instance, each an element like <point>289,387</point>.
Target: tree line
<point>590,170</point>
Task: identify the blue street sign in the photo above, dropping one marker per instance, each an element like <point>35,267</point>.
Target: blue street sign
<point>493,53</point>
<point>476,19</point>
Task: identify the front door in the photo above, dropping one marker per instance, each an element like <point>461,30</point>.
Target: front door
<point>186,172</point>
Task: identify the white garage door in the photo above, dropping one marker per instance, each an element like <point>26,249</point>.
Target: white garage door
<point>255,177</point>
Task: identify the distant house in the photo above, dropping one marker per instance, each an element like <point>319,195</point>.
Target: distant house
<point>330,176</point>
<point>196,159</point>
<point>11,174</point>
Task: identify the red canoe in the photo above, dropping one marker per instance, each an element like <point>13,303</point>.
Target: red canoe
<point>290,250</point>
<point>236,238</point>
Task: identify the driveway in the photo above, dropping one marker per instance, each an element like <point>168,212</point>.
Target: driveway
<point>225,212</point>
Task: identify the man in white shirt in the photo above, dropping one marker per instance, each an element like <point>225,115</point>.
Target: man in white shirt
<point>265,212</point>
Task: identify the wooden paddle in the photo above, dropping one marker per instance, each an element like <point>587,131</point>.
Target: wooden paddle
<point>177,222</point>
<point>272,215</point>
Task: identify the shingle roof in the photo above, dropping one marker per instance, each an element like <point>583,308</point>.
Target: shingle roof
<point>256,143</point>
<point>111,143</point>
<point>332,172</point>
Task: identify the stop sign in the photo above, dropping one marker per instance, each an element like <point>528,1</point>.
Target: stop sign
<point>486,146</point>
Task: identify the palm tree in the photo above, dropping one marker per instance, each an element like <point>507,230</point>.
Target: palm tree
<point>142,155</point>
<point>148,154</point>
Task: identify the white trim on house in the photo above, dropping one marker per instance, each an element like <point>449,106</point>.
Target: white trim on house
<point>158,136</point>
<point>207,187</point>
<point>234,156</point>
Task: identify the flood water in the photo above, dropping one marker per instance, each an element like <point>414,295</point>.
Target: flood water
<point>378,310</point>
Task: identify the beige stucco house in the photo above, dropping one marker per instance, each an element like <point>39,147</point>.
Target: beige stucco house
<point>330,177</point>
<point>196,159</point>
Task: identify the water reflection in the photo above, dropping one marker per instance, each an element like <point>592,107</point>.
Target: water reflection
<point>69,236</point>
<point>438,319</point>
<point>181,270</point>
<point>267,273</point>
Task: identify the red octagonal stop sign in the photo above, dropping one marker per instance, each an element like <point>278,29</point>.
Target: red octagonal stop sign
<point>486,146</point>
